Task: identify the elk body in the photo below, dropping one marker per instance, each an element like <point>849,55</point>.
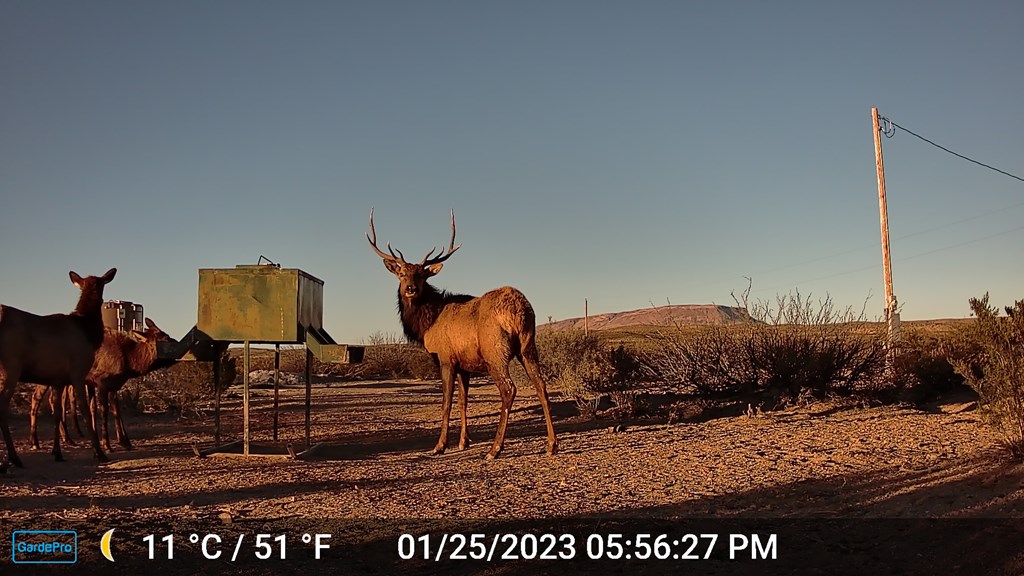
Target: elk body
<point>468,335</point>
<point>123,355</point>
<point>56,350</point>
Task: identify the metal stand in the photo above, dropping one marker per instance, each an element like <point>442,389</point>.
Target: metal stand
<point>245,444</point>
<point>263,304</point>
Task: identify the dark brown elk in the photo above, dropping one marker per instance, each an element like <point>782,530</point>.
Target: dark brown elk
<point>123,356</point>
<point>467,335</point>
<point>56,350</point>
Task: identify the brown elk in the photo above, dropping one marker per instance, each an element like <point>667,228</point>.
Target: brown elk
<point>56,350</point>
<point>123,355</point>
<point>467,335</point>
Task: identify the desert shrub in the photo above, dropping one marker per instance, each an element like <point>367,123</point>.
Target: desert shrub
<point>422,365</point>
<point>389,356</point>
<point>793,346</point>
<point>131,396</point>
<point>628,373</point>
<point>996,370</point>
<point>803,346</point>
<point>585,368</point>
<point>709,360</point>
<point>924,367</point>
<point>184,387</point>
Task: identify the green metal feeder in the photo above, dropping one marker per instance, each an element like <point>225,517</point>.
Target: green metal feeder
<point>264,304</point>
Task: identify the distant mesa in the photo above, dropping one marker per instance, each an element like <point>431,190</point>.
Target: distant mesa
<point>656,316</point>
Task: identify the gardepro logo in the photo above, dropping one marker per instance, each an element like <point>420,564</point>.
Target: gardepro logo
<point>44,547</point>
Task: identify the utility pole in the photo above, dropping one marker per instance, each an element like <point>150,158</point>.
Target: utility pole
<point>586,318</point>
<point>892,316</point>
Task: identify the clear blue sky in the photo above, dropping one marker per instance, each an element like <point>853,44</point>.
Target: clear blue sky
<point>625,152</point>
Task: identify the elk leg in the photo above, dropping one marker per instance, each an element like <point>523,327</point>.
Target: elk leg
<point>86,407</point>
<point>6,393</point>
<point>507,389</point>
<point>464,439</point>
<point>103,399</point>
<point>122,436</point>
<point>532,367</point>
<point>33,413</point>
<point>58,422</point>
<point>69,399</point>
<point>447,388</point>
<point>58,400</point>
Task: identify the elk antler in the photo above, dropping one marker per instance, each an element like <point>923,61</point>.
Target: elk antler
<point>372,237</point>
<point>427,260</point>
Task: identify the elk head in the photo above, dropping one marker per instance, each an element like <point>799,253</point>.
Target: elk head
<point>91,297</point>
<point>412,277</point>
<point>152,333</point>
<point>92,282</point>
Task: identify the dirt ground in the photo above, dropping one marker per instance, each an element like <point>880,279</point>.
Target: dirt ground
<point>809,466</point>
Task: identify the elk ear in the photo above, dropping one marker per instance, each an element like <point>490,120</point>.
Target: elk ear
<point>151,324</point>
<point>392,266</point>
<point>109,275</point>
<point>433,268</point>
<point>76,279</point>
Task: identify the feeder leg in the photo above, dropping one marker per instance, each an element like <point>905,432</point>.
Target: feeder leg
<point>216,399</point>
<point>245,402</point>
<point>277,376</point>
<point>309,390</point>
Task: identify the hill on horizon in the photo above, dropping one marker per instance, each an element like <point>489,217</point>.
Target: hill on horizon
<point>669,315</point>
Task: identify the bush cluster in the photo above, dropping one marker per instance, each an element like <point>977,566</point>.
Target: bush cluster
<point>586,368</point>
<point>995,370</point>
<point>389,356</point>
<point>924,368</point>
<point>183,387</point>
<point>790,348</point>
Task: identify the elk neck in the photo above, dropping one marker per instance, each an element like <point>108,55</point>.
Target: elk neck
<point>419,314</point>
<point>89,316</point>
<point>142,356</point>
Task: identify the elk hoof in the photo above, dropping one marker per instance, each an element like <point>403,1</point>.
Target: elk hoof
<point>491,456</point>
<point>552,449</point>
<point>101,457</point>
<point>464,444</point>
<point>15,461</point>
<point>127,445</point>
<point>58,457</point>
<point>437,451</point>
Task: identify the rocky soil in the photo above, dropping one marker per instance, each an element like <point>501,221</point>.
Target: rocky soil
<point>813,466</point>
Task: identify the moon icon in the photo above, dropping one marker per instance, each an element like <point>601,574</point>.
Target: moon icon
<point>105,544</point>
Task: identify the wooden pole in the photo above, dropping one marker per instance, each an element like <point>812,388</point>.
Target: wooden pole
<point>891,316</point>
<point>586,318</point>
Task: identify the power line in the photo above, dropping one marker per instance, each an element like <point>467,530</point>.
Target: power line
<point>873,246</point>
<point>889,132</point>
<point>903,259</point>
<point>888,128</point>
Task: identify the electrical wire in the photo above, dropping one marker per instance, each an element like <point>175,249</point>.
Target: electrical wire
<point>872,246</point>
<point>903,259</point>
<point>889,132</point>
<point>888,128</point>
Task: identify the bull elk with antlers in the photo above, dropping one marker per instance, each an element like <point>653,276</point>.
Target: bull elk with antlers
<point>468,335</point>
